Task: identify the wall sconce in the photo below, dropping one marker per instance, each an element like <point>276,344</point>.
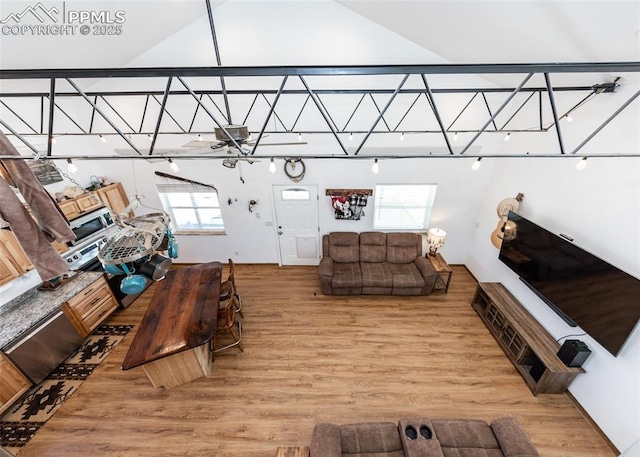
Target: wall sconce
<point>435,238</point>
<point>252,203</point>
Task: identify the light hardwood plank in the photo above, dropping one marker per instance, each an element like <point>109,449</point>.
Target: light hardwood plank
<point>309,358</point>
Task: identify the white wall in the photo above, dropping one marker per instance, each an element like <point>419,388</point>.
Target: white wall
<point>600,208</point>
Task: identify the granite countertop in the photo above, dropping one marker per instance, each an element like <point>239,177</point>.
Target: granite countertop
<point>21,313</point>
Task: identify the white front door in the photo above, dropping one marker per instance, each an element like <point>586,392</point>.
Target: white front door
<point>297,224</point>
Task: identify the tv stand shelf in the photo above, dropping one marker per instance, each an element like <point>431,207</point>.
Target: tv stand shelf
<point>531,349</point>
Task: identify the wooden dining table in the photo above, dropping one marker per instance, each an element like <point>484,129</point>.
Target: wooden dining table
<point>172,343</point>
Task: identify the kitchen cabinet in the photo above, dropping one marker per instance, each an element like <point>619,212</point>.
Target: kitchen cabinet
<point>13,261</point>
<point>114,197</point>
<point>12,383</point>
<point>83,203</point>
<point>90,307</point>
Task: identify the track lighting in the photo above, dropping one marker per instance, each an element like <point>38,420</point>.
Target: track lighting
<point>174,166</point>
<point>149,137</point>
<point>299,136</point>
<point>455,136</point>
<point>476,164</point>
<point>351,136</point>
<point>103,139</point>
<point>71,167</point>
<point>200,138</point>
<point>569,118</point>
<point>507,137</point>
<point>582,164</point>
<point>53,140</point>
<point>374,167</point>
<point>272,166</point>
<point>402,136</point>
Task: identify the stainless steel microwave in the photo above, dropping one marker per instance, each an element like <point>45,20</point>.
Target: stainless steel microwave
<point>91,226</point>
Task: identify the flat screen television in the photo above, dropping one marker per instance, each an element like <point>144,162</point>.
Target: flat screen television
<point>583,289</point>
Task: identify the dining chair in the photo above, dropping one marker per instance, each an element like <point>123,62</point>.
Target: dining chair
<point>228,289</point>
<point>228,324</point>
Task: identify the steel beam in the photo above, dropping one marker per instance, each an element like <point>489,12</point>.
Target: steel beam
<point>52,101</point>
<point>159,121</point>
<point>393,96</point>
<point>554,110</point>
<point>104,116</point>
<point>271,111</point>
<point>506,102</point>
<point>436,112</point>
<point>448,69</point>
<point>219,62</point>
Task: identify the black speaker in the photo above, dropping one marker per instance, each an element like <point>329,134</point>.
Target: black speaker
<point>573,353</point>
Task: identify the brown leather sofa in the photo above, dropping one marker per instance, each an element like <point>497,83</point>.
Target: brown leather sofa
<point>375,263</point>
<point>417,437</point>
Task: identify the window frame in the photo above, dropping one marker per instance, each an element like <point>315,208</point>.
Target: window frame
<point>428,207</point>
<point>164,189</point>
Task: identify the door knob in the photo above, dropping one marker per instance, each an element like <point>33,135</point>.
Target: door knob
<point>279,232</point>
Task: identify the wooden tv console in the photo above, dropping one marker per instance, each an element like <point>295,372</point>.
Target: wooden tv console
<point>531,349</point>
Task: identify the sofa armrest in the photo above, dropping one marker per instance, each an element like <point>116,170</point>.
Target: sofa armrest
<point>425,268</point>
<point>325,441</point>
<point>326,267</point>
<point>512,438</point>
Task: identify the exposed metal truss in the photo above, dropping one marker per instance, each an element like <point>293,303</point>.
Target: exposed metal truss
<point>204,91</point>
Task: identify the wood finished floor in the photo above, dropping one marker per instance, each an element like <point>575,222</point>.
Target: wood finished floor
<point>310,358</point>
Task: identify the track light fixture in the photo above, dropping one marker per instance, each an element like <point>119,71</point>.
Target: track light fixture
<point>455,136</point>
<point>174,166</point>
<point>476,164</point>
<point>374,167</point>
<point>272,166</point>
<point>53,140</point>
<point>351,136</point>
<point>200,138</point>
<point>569,118</point>
<point>507,137</point>
<point>103,139</point>
<point>71,167</point>
<point>582,164</point>
<point>402,136</point>
<point>299,136</point>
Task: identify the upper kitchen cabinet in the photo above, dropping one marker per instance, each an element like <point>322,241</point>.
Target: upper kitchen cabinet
<point>83,203</point>
<point>114,197</point>
<point>13,261</point>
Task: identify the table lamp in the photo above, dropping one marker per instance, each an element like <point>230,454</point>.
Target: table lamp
<point>435,239</point>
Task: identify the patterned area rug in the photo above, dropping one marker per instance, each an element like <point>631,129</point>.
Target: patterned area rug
<point>20,423</point>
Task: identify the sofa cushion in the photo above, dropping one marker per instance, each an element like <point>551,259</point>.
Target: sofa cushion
<point>406,275</point>
<point>402,247</point>
<point>371,439</point>
<point>346,275</point>
<point>373,247</point>
<point>512,438</point>
<point>344,246</point>
<point>376,274</point>
<point>465,433</point>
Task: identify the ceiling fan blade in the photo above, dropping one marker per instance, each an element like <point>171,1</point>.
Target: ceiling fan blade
<point>197,144</point>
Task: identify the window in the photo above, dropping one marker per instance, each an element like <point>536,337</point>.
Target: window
<point>403,206</point>
<point>192,208</point>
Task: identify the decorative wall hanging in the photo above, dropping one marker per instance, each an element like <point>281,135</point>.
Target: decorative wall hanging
<point>503,229</point>
<point>349,203</point>
<point>294,169</point>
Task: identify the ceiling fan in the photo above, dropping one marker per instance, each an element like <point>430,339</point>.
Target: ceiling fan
<point>231,135</point>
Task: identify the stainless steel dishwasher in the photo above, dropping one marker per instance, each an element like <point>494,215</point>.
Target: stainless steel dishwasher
<point>43,347</point>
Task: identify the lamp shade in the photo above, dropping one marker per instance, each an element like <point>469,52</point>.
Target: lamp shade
<point>435,238</point>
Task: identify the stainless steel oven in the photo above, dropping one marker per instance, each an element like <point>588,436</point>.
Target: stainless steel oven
<point>91,226</point>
